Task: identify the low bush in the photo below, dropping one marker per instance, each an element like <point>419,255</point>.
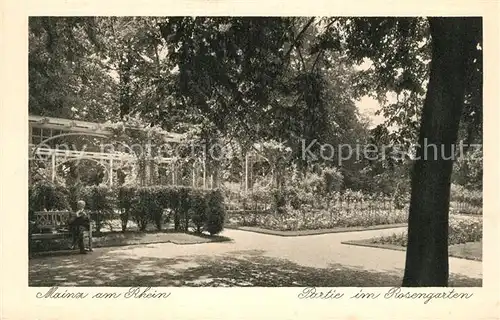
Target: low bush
<point>198,210</point>
<point>169,200</point>
<point>465,230</point>
<point>465,200</point>
<point>125,196</point>
<point>215,213</point>
<point>308,218</point>
<point>44,195</point>
<point>332,179</point>
<point>145,207</point>
<point>205,209</point>
<point>459,231</point>
<point>100,201</point>
<point>183,208</point>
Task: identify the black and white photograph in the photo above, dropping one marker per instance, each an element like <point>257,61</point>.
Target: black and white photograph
<point>254,151</point>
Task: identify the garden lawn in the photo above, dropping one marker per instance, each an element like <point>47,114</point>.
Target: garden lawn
<point>113,239</point>
<point>469,250</point>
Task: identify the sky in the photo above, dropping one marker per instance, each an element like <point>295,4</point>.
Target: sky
<point>368,106</point>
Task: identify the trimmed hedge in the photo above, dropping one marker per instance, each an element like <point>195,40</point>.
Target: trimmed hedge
<point>100,201</point>
<point>204,209</point>
<point>215,212</point>
<point>125,197</point>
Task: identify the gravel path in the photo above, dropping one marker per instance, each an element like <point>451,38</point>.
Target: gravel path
<point>250,259</point>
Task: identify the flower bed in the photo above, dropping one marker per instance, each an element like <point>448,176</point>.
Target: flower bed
<point>460,231</point>
<point>465,201</point>
<point>308,218</point>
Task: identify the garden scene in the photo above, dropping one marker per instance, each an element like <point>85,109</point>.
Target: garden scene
<point>252,152</point>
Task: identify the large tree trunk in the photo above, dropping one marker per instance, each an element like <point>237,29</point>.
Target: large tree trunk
<point>427,252</point>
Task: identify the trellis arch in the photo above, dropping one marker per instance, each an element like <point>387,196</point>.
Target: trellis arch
<point>108,173</point>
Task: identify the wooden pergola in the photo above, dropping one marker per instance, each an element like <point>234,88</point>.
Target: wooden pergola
<point>43,130</point>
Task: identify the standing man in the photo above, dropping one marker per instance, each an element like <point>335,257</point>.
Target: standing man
<point>77,224</point>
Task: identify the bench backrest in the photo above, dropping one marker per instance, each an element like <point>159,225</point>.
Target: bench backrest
<point>52,219</point>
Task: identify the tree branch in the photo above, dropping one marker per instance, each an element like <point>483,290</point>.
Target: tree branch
<point>297,38</point>
<point>301,57</point>
<point>317,59</point>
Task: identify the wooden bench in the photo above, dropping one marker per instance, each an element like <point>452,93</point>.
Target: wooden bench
<point>53,225</point>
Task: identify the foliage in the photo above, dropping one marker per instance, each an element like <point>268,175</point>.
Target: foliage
<point>146,207</point>
<point>255,79</point>
<point>461,194</point>
<point>66,76</point>
<point>465,230</point>
<point>459,231</point>
<point>469,168</point>
<point>125,198</point>
<point>198,210</point>
<point>44,195</point>
<point>215,212</point>
<point>100,201</point>
<point>330,216</point>
<point>75,194</point>
<point>333,179</point>
<point>464,200</point>
<point>297,208</point>
<point>148,204</point>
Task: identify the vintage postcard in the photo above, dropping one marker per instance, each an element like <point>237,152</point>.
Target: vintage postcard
<point>240,160</point>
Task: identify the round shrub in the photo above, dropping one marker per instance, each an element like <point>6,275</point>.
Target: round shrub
<point>215,212</point>
<point>125,198</point>
<point>45,195</point>
<point>181,217</point>
<point>145,207</point>
<point>332,179</point>
<point>198,210</point>
<point>100,202</point>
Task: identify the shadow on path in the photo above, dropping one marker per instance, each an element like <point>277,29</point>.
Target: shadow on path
<point>237,268</point>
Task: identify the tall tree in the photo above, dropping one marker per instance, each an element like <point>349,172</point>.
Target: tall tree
<point>455,43</point>
<point>67,76</point>
<point>455,71</point>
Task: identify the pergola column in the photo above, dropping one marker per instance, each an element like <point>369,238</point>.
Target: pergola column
<point>147,168</point>
<point>53,171</point>
<point>173,173</point>
<point>204,173</point>
<point>194,174</point>
<point>111,172</point>
<point>246,172</point>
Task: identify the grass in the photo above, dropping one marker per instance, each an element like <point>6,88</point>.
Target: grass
<point>115,238</point>
<point>469,250</point>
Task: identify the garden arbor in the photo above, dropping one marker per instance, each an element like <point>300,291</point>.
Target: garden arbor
<point>59,146</point>
<point>54,142</point>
